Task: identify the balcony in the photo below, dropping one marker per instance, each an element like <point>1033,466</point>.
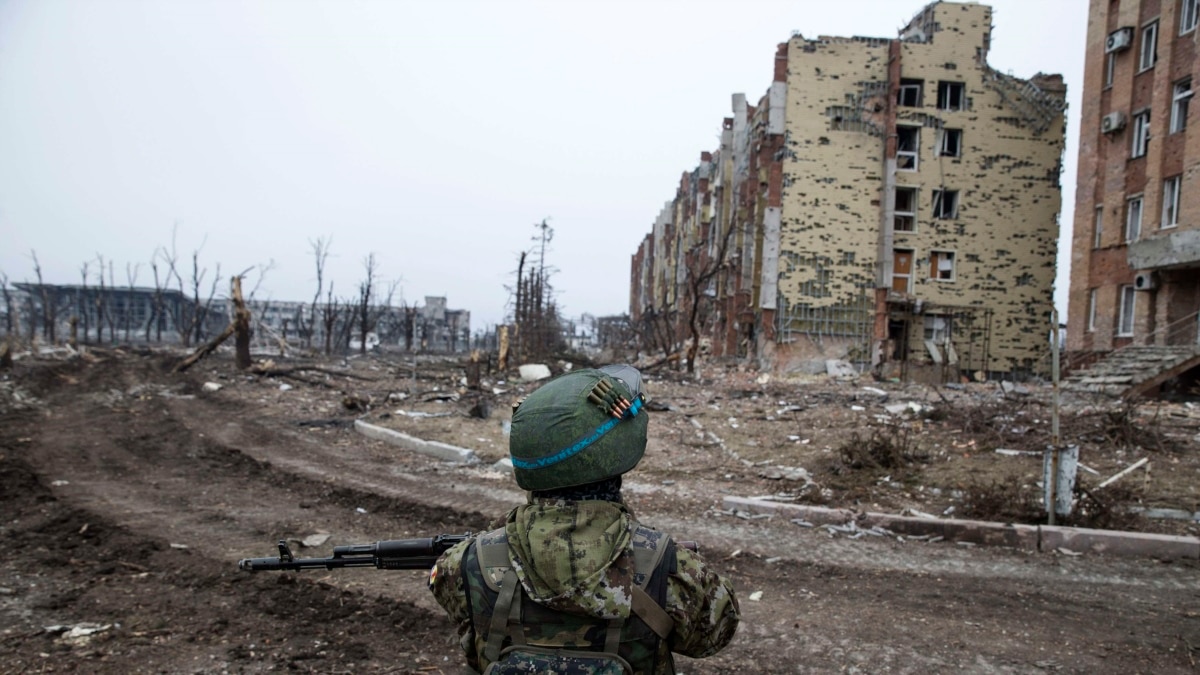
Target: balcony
<point>1177,249</point>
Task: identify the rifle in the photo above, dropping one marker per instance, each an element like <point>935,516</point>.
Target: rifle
<point>397,554</point>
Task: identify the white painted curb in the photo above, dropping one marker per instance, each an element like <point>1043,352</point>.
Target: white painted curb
<point>444,451</point>
<point>1044,538</point>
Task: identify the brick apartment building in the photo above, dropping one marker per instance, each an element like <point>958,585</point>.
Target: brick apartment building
<point>890,201</point>
<point>1136,245</point>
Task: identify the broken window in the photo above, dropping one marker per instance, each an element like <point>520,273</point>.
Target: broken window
<point>1110,67</point>
<point>1141,134</point>
<point>950,144</point>
<point>941,265</point>
<point>1133,219</point>
<point>1189,15</point>
<point>1128,298</point>
<point>951,96</point>
<point>1148,55</point>
<point>902,261</point>
<point>1179,104</point>
<point>910,93</point>
<point>945,204</point>
<point>905,210</point>
<point>937,329</point>
<point>908,148</point>
<point>1091,320</point>
<point>1170,201</point>
<point>1099,226</point>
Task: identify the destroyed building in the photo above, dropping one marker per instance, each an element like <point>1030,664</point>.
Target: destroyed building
<point>430,327</point>
<point>888,201</point>
<point>1135,265</point>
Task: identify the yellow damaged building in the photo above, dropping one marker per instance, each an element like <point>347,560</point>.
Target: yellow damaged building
<point>889,202</point>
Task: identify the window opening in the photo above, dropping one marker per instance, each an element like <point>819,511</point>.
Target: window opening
<point>1141,134</point>
<point>908,147</point>
<point>937,329</point>
<point>1148,55</point>
<point>905,210</point>
<point>1170,209</point>
<point>1133,219</point>
<point>910,93</point>
<point>1189,16</point>
<point>945,204</point>
<point>951,143</point>
<point>1128,298</point>
<point>1091,321</point>
<point>951,96</point>
<point>941,265</point>
<point>1110,67</point>
<point>1099,226</point>
<point>1181,96</point>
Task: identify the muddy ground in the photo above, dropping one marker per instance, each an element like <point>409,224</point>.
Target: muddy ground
<point>128,493</point>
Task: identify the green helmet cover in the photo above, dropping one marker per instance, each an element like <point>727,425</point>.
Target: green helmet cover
<point>562,436</point>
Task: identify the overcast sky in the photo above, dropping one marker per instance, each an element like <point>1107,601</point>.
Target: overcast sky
<point>434,134</point>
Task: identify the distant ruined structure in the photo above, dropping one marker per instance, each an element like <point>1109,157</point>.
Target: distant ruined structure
<point>143,315</point>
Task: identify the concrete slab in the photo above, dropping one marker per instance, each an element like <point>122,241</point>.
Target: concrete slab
<point>443,451</point>
<point>1111,542</point>
<point>817,515</point>
<point>980,532</point>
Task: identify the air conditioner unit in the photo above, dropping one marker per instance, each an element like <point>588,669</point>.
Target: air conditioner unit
<point>1145,281</point>
<point>1112,122</point>
<point>1118,40</point>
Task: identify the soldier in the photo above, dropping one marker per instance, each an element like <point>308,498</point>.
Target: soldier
<point>572,582</point>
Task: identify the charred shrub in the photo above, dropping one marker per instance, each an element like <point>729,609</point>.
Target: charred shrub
<point>1006,501</point>
<point>890,447</point>
<point>1107,509</point>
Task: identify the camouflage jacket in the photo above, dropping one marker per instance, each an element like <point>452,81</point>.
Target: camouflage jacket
<point>574,562</point>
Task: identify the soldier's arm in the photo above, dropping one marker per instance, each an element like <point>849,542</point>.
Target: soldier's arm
<point>703,606</point>
<point>448,586</point>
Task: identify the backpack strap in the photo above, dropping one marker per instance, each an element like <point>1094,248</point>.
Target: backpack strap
<point>507,604</point>
<point>649,549</point>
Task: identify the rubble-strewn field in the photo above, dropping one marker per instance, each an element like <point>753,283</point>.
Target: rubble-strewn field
<point>128,494</point>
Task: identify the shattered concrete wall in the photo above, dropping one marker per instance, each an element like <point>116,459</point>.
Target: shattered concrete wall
<point>808,179</point>
<point>1000,234</point>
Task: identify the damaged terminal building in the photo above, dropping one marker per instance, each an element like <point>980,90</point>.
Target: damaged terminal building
<point>891,202</point>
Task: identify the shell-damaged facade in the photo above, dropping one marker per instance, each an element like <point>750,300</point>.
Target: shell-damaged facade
<point>891,202</point>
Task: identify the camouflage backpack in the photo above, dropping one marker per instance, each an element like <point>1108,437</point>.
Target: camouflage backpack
<point>577,645</point>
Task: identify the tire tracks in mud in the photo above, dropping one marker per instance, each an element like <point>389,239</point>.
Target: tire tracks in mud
<point>207,473</point>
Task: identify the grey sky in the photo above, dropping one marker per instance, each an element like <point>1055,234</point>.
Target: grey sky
<point>434,134</point>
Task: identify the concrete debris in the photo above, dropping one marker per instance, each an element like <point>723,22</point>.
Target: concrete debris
<point>840,369</point>
<point>907,407</point>
<point>919,514</point>
<point>801,523</point>
<point>756,596</point>
<point>786,473</point>
<point>285,387</point>
<point>1018,453</point>
<point>180,547</point>
<point>420,414</point>
<point>59,483</point>
<point>532,372</point>
<point>210,387</point>
<point>315,540</point>
<point>1068,552</point>
<point>1123,472</point>
<point>877,392</point>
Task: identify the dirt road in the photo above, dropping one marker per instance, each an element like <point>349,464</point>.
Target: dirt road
<point>129,494</point>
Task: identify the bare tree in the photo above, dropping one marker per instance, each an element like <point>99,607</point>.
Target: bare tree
<point>156,310</point>
<point>101,300</point>
<point>703,263</point>
<point>49,320</point>
<point>367,314</point>
<point>131,273</point>
<point>320,251</point>
<point>82,300</point>
<point>111,302</point>
<point>9,310</point>
<point>330,313</point>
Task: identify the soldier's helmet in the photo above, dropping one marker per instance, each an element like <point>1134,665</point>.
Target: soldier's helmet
<point>578,428</point>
